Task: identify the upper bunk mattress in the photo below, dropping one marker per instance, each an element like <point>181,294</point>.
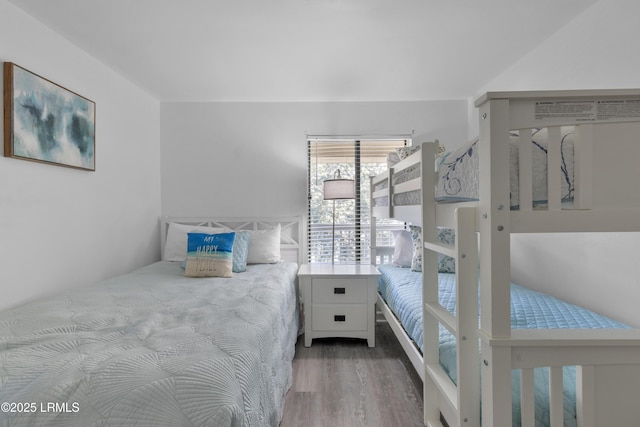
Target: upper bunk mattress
<point>154,348</point>
<point>458,179</point>
<point>458,170</point>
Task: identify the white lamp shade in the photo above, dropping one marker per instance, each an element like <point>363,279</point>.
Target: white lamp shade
<point>337,189</point>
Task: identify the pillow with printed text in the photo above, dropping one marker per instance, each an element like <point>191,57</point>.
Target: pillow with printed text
<point>209,255</point>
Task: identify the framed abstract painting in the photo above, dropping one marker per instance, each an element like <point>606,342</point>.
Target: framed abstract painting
<point>45,122</point>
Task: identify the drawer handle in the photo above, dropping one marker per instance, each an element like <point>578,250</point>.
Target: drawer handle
<point>339,318</point>
<point>339,290</point>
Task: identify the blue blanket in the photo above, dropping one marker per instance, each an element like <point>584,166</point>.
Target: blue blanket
<point>401,288</point>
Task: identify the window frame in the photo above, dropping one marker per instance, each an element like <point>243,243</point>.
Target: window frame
<point>364,148</point>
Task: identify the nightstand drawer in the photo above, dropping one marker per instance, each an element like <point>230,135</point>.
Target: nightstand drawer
<point>339,317</point>
<point>339,291</point>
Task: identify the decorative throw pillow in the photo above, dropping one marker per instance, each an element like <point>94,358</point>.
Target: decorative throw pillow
<point>403,250</point>
<point>446,264</point>
<point>404,152</point>
<point>416,238</point>
<point>264,246</point>
<point>240,251</point>
<point>175,246</point>
<point>209,255</point>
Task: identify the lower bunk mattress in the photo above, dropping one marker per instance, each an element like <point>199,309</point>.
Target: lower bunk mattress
<point>401,289</point>
<point>153,348</point>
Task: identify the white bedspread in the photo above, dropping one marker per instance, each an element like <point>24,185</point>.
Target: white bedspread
<point>153,348</point>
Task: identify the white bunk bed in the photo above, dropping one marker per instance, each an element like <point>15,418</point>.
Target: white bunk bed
<point>605,199</point>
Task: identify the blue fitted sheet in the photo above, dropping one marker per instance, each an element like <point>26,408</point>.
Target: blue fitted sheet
<point>401,289</point>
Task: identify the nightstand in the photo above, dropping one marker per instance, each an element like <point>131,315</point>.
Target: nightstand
<point>339,301</point>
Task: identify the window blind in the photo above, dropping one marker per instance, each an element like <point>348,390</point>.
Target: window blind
<point>358,160</point>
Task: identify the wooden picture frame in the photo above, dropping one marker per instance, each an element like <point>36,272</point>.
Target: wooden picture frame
<point>45,122</point>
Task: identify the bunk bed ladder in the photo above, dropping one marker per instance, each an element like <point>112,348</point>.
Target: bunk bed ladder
<point>458,403</point>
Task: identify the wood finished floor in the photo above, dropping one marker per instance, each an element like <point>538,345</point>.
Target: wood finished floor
<point>341,382</point>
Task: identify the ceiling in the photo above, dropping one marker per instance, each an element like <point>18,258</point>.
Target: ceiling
<point>306,50</point>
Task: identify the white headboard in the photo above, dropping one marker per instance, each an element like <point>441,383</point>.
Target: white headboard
<point>291,237</point>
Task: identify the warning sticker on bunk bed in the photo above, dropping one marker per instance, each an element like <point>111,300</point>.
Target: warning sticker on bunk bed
<point>587,111</point>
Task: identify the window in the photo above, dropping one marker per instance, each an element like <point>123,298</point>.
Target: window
<point>357,160</point>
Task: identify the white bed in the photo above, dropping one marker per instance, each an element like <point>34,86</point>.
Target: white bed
<point>154,347</point>
<point>604,198</point>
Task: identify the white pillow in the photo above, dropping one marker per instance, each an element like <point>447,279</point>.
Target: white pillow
<point>403,251</point>
<point>264,246</point>
<point>175,247</point>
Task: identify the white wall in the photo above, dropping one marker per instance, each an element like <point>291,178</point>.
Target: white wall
<point>61,227</point>
<point>598,49</point>
<point>250,159</point>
